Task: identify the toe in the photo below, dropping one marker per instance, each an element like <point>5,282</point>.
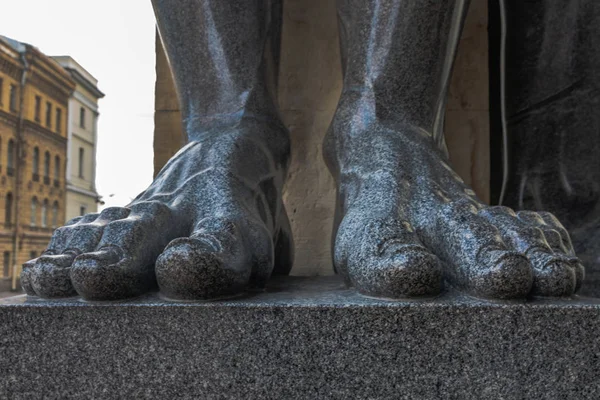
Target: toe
<point>579,272</point>
<point>123,264</point>
<point>555,224</point>
<point>384,258</point>
<point>26,277</point>
<point>502,274</point>
<point>191,268</point>
<point>551,221</point>
<point>478,259</point>
<point>557,238</point>
<point>107,274</point>
<point>554,274</point>
<point>551,235</point>
<point>114,213</point>
<point>403,271</point>
<point>217,260</point>
<point>49,277</point>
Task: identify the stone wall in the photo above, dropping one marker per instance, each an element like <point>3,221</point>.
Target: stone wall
<point>310,82</point>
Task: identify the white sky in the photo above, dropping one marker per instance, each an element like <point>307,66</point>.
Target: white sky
<point>114,41</point>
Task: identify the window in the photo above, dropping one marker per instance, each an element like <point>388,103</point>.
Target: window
<point>55,214</point>
<point>8,206</point>
<point>1,91</point>
<point>45,213</point>
<point>48,114</point>
<point>81,159</point>
<point>58,121</point>
<point>46,167</point>
<point>82,210</point>
<point>36,164</point>
<point>13,98</point>
<point>10,160</point>
<point>34,206</point>
<point>82,117</point>
<point>6,264</point>
<point>38,108</point>
<point>56,167</point>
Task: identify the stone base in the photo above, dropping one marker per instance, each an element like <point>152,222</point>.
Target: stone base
<point>303,338</point>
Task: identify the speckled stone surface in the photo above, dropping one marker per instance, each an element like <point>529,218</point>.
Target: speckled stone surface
<point>303,338</point>
<point>552,119</point>
<point>404,218</point>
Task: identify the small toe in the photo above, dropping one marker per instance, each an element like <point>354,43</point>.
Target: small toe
<point>502,274</point>
<point>107,275</point>
<point>49,277</point>
<point>557,239</point>
<point>579,272</point>
<point>554,275</point>
<point>478,259</point>
<point>26,277</point>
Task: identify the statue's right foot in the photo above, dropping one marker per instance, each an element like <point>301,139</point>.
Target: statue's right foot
<point>211,224</point>
<point>405,220</point>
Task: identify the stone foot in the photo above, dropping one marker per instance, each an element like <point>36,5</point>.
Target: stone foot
<point>211,224</point>
<point>405,220</point>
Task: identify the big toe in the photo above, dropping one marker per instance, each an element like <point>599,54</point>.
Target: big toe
<point>401,271</point>
<point>199,269</point>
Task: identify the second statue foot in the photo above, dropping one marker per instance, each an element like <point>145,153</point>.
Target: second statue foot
<point>406,222</point>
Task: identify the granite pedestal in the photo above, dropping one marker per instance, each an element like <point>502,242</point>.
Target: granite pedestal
<point>308,338</point>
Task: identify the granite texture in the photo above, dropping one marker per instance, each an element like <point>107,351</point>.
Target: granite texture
<point>404,219</point>
<point>552,97</point>
<point>301,339</point>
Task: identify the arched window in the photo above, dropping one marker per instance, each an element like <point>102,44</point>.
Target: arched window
<point>46,165</point>
<point>34,206</point>
<point>36,163</point>
<point>8,206</point>
<point>45,213</point>
<point>56,167</point>
<point>55,214</point>
<point>10,157</point>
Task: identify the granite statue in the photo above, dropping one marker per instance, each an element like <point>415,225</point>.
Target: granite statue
<point>552,124</point>
<point>213,224</point>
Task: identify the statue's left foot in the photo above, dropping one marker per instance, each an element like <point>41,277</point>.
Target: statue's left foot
<point>406,220</point>
<point>210,225</point>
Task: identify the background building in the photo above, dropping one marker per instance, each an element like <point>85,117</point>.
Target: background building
<point>82,136</point>
<point>34,98</point>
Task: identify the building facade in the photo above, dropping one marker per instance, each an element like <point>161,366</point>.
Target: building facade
<point>34,114</point>
<point>82,137</point>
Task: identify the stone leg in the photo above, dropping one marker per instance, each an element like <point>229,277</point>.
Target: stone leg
<point>212,223</point>
<point>552,119</point>
<point>404,218</point>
